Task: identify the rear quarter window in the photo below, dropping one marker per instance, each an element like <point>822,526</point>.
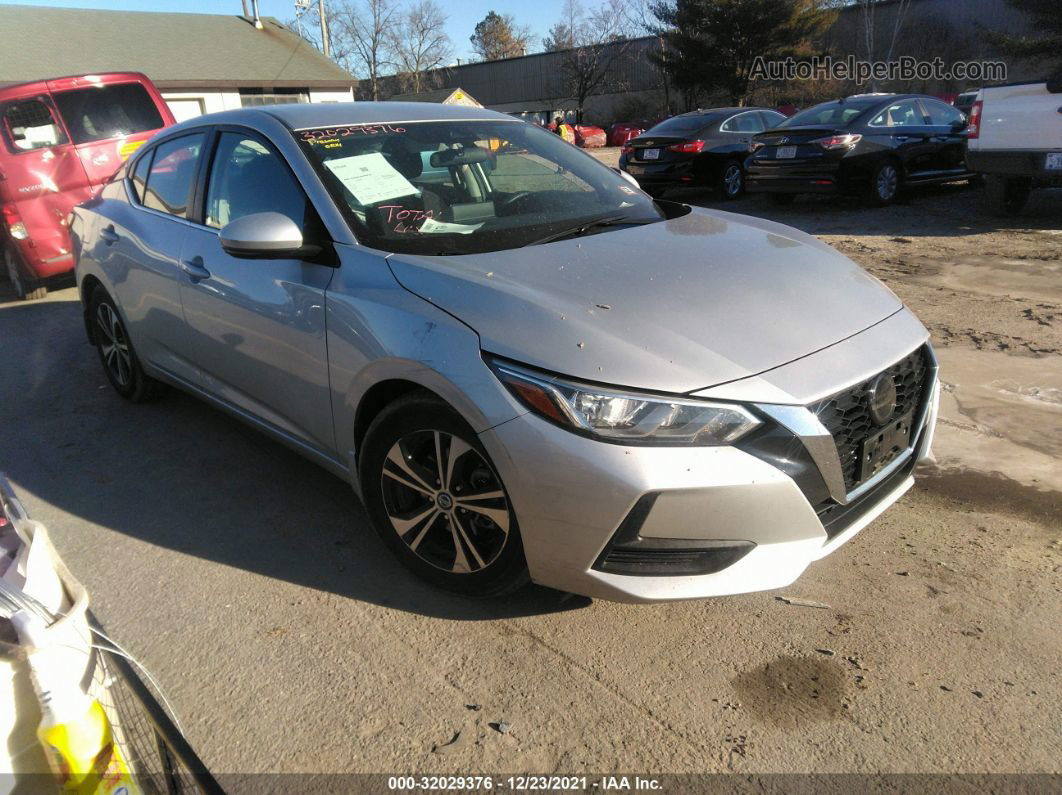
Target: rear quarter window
<point>140,175</point>
<point>30,124</point>
<point>107,111</point>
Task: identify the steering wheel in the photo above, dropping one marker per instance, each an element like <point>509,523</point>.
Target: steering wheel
<point>506,203</point>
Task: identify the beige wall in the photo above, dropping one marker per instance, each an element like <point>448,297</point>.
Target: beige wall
<point>189,104</point>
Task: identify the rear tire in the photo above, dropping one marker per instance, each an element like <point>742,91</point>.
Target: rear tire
<point>732,181</point>
<point>27,287</point>
<point>419,466</point>
<point>119,360</point>
<point>1006,195</point>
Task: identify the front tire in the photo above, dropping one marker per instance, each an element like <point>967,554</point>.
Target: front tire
<point>119,359</point>
<point>27,287</point>
<point>437,502</point>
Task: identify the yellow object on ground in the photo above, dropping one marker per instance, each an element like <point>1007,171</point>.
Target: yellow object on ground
<point>74,729</point>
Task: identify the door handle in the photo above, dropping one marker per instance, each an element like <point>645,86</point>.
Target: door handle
<point>195,269</point>
<point>109,236</point>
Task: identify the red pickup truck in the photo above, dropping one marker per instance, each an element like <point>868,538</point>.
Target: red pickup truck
<point>60,139</point>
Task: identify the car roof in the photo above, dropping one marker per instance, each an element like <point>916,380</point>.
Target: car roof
<point>340,114</point>
<point>303,116</point>
<point>64,82</point>
<point>718,111</point>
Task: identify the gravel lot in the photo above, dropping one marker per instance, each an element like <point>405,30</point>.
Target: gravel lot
<point>249,582</point>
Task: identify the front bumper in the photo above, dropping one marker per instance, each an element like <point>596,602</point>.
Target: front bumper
<point>572,496</point>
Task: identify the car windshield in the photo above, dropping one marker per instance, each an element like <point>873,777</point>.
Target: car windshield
<point>680,125</point>
<point>461,187</point>
<point>832,113</point>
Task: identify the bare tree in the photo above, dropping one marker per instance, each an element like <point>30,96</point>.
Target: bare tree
<point>362,33</point>
<point>498,36</point>
<point>420,44</point>
<point>597,45</point>
<point>869,10</point>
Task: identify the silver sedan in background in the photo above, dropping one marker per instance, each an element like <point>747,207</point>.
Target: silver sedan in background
<point>526,367</point>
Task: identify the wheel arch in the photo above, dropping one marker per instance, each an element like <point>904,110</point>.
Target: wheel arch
<point>88,286</point>
<point>378,397</point>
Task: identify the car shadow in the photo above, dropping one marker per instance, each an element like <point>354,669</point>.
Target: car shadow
<point>184,476</point>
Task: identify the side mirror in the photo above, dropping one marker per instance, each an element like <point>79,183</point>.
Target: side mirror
<point>960,124</point>
<point>265,236</point>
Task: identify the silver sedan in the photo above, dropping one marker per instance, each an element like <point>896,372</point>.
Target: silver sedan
<point>526,367</point>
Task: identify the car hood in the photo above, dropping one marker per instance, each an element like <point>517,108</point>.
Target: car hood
<point>674,306</point>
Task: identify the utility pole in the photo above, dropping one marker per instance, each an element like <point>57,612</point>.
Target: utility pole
<point>325,47</point>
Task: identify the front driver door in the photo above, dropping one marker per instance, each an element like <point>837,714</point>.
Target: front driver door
<point>257,326</point>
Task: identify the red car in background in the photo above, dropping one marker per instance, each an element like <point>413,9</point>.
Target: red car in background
<point>588,136</point>
<point>621,132</point>
<point>60,139</point>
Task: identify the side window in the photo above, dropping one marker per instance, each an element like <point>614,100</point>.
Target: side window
<point>140,174</point>
<point>246,178</point>
<point>905,113</point>
<point>771,119</point>
<point>941,115</point>
<point>172,174</point>
<point>30,124</point>
<point>748,122</point>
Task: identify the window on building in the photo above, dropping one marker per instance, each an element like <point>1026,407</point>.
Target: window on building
<point>255,97</point>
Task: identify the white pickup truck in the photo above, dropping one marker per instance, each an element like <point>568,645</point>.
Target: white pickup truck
<point>1015,140</point>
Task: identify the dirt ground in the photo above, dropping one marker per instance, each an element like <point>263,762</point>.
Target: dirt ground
<point>249,582</point>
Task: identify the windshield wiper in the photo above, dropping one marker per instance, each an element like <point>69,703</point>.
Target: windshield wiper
<point>586,226</point>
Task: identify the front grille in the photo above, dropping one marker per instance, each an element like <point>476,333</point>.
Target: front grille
<point>838,518</point>
<point>846,415</point>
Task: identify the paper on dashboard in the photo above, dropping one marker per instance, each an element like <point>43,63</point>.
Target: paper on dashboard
<point>370,178</point>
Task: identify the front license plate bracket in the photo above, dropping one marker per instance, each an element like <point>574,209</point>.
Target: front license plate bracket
<point>884,446</point>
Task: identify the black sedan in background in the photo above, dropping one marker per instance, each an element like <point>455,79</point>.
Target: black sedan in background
<point>700,148</point>
<point>872,144</point>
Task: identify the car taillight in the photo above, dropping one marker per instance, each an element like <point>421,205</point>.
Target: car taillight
<point>754,145</point>
<point>973,128</point>
<point>838,141</point>
<point>13,222</point>
<point>627,149</point>
<point>687,147</point>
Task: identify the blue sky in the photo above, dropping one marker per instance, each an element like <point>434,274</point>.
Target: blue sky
<point>463,14</point>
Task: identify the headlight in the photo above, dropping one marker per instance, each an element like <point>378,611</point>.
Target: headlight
<point>628,417</point>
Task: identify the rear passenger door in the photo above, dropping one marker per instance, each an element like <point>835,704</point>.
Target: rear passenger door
<point>257,326</point>
<point>137,241</point>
